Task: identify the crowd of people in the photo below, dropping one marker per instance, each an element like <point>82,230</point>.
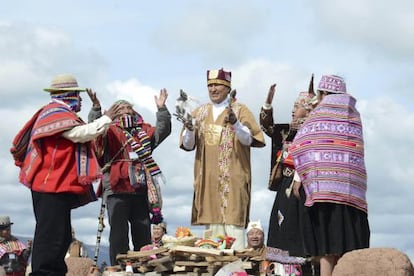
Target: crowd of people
<point>317,172</point>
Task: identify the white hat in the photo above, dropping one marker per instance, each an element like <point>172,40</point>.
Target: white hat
<point>254,225</point>
<point>5,221</point>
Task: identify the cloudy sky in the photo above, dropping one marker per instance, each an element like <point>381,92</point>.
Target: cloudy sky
<point>132,49</point>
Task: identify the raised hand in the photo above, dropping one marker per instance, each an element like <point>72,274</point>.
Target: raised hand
<point>271,93</point>
<point>113,111</point>
<point>162,98</point>
<point>93,97</point>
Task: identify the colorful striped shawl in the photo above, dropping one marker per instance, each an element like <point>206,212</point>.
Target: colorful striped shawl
<point>141,144</point>
<point>12,245</point>
<point>51,119</point>
<point>328,153</point>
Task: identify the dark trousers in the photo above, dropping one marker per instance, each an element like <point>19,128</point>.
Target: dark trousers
<point>52,234</point>
<point>124,209</point>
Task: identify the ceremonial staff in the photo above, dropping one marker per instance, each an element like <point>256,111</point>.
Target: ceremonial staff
<point>101,227</point>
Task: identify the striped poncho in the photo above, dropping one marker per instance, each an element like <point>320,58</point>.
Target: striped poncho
<point>11,245</point>
<point>328,153</point>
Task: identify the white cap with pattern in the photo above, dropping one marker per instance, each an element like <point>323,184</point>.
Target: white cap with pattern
<point>254,225</point>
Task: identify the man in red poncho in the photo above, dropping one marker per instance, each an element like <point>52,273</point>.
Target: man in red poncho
<point>57,163</point>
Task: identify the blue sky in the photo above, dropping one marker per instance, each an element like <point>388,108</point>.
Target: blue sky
<point>132,49</point>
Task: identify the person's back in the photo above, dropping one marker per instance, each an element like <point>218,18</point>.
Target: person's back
<point>328,152</point>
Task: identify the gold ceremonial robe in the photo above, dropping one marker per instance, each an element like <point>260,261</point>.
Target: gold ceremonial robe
<point>222,171</point>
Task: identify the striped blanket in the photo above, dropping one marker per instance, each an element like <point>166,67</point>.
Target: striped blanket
<point>12,245</point>
<point>328,153</point>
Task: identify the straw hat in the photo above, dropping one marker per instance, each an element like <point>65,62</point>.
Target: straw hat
<point>64,83</point>
<point>5,221</point>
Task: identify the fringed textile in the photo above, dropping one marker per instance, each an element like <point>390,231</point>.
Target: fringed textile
<point>140,143</point>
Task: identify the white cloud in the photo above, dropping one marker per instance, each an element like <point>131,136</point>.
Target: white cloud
<point>389,157</point>
<point>253,79</point>
<point>132,90</point>
<point>51,37</point>
<point>223,30</point>
<point>375,25</point>
<point>31,55</point>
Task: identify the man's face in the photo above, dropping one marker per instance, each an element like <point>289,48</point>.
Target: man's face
<point>124,109</point>
<point>255,239</point>
<point>298,112</point>
<point>157,232</point>
<point>218,92</point>
<point>5,232</point>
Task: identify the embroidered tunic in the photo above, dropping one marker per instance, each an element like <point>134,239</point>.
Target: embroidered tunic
<point>222,171</point>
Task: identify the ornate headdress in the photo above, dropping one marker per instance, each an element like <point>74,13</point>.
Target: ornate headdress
<point>219,77</point>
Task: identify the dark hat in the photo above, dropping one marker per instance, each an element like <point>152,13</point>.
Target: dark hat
<point>5,221</point>
<point>219,77</point>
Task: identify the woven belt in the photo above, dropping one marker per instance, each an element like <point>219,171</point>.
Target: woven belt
<point>288,172</point>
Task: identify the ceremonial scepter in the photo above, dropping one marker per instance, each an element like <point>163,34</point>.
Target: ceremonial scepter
<point>181,112</point>
<point>184,105</point>
<point>232,97</point>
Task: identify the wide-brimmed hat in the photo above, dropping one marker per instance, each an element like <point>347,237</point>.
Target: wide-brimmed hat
<point>64,83</point>
<point>5,221</point>
<point>219,77</point>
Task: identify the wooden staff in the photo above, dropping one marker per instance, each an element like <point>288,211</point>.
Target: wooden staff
<point>101,227</point>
